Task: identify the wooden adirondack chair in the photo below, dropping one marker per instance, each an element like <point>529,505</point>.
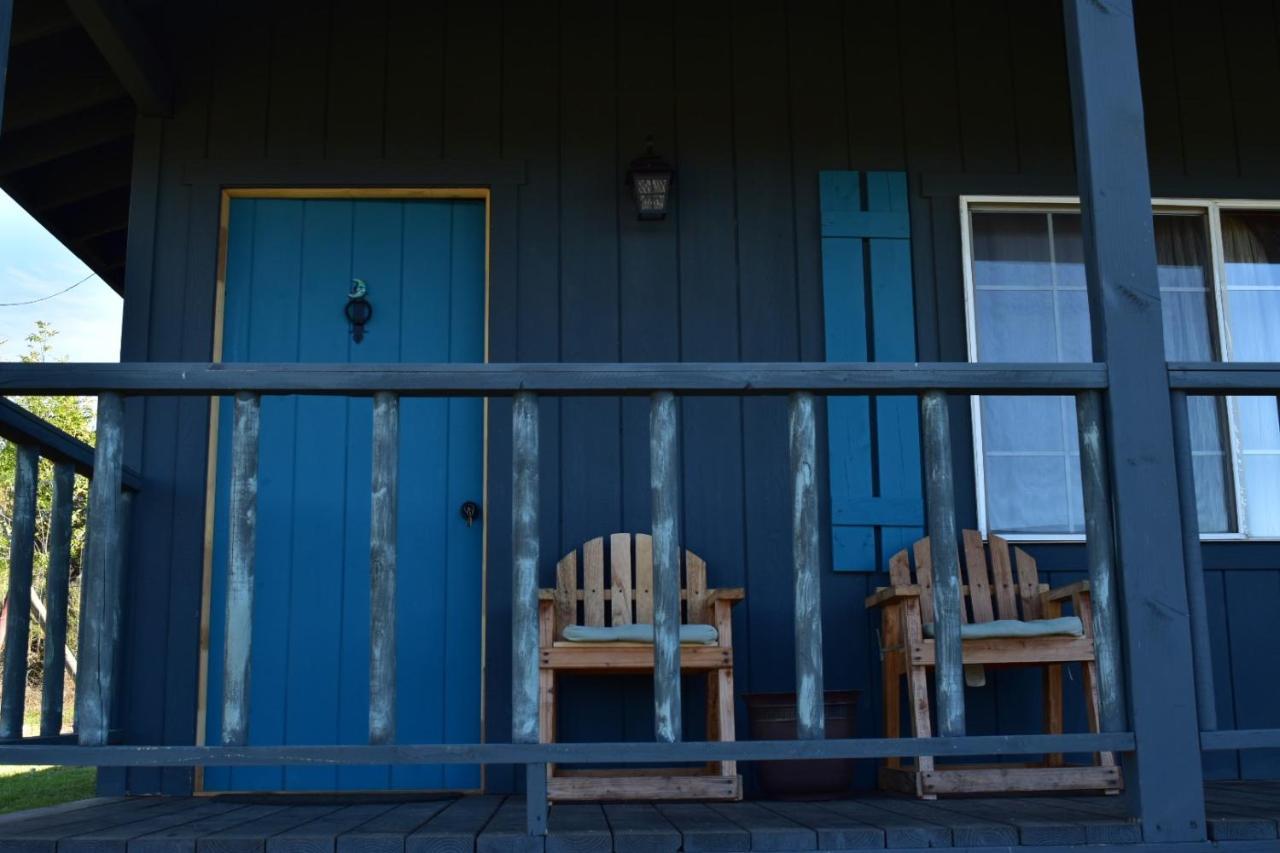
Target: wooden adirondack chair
<point>625,602</point>
<point>1024,607</point>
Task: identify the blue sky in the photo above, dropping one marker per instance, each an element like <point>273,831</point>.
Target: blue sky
<point>33,264</point>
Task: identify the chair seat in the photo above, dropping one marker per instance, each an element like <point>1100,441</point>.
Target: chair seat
<point>1065,626</point>
<point>700,635</point>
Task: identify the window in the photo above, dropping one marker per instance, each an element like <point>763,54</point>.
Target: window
<point>1219,273</point>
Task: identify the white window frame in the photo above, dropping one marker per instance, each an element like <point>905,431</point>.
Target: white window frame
<point>1212,210</point>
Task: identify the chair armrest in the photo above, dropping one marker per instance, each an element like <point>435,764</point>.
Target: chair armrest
<point>892,594</point>
<point>1065,592</point>
<point>731,594</point>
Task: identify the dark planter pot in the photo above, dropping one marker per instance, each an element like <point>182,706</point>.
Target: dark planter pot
<point>772,716</point>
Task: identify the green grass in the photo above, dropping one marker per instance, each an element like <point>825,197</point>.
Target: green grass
<point>33,787</point>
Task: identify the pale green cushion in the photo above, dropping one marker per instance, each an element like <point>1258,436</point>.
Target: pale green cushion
<point>1065,626</point>
<point>701,635</point>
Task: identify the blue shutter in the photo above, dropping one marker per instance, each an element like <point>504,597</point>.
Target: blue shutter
<point>874,442</point>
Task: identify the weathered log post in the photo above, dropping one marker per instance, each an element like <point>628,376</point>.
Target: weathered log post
<point>1101,556</point>
<point>664,478</point>
<point>100,604</point>
<point>55,601</point>
<point>17,635</point>
<point>945,554</point>
<point>810,708</point>
<point>524,600</point>
<point>242,543</point>
<point>383,567</point>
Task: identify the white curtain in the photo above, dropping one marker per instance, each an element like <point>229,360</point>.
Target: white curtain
<point>1251,251</point>
<point>1030,304</point>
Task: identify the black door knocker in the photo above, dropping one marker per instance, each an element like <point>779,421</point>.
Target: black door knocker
<point>359,312</point>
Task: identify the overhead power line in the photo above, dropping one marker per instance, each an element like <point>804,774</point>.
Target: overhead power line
<point>51,295</point>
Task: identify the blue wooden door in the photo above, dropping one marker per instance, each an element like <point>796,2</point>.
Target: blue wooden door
<point>290,263</point>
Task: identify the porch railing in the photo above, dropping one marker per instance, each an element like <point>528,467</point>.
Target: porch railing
<point>1214,380</point>
<point>663,383</point>
<point>35,439</point>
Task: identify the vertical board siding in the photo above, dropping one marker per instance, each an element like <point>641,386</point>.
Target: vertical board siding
<point>750,101</point>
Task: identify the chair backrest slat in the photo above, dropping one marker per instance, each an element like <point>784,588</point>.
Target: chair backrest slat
<point>620,571</point>
<point>975,559</point>
<point>695,571</point>
<point>900,569</point>
<point>1006,591</point>
<point>644,578</point>
<point>1028,585</point>
<point>593,583</point>
<point>924,577</point>
<point>566,596</point>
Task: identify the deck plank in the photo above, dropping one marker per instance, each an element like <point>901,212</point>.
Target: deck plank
<point>507,831</point>
<point>899,830</point>
<point>61,811</point>
<point>42,835</point>
<point>966,830</point>
<point>578,828</point>
<point>1102,825</point>
<point>455,828</point>
<point>703,830</point>
<point>115,839</point>
<point>252,837</point>
<point>387,832</point>
<point>1234,817</point>
<point>835,831</point>
<point>770,831</point>
<point>1035,827</point>
<point>321,835</point>
<point>640,828</point>
<point>183,838</point>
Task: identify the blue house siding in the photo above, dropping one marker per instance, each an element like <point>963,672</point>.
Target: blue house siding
<point>751,101</point>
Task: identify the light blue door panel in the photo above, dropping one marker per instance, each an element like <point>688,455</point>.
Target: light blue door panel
<point>289,264</point>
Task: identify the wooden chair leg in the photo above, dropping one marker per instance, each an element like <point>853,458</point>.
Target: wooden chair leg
<point>713,716</point>
<point>547,711</point>
<point>724,716</point>
<point>918,695</point>
<point>891,685</point>
<point>1093,708</point>
<point>1053,709</point>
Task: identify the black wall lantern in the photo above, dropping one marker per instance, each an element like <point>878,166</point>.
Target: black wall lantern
<point>650,178</point>
<point>359,312</point>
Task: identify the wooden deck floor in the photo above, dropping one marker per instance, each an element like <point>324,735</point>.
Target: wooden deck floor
<point>1238,812</point>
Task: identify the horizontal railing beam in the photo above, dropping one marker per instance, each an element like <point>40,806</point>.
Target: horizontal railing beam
<point>494,380</point>
<point>22,427</point>
<point>582,753</point>
<point>1240,739</point>
<point>1239,378</point>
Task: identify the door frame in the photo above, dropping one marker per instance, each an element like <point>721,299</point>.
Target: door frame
<point>227,194</point>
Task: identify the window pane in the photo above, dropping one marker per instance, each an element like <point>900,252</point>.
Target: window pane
<point>1030,304</point>
<point>1251,255</point>
<point>1011,250</point>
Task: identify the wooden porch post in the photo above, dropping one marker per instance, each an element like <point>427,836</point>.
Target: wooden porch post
<point>382,568</point>
<point>21,559</point>
<point>100,602</point>
<point>241,546</point>
<point>55,608</point>
<point>944,549</point>
<point>1163,779</point>
<point>524,600</point>
<point>664,477</point>
<point>810,693</point>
